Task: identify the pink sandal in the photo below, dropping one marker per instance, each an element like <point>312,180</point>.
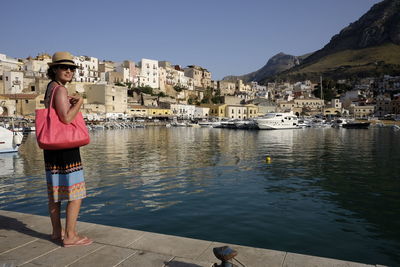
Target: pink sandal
<point>83,241</point>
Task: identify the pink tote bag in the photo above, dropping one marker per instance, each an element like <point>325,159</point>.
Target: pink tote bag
<point>53,134</point>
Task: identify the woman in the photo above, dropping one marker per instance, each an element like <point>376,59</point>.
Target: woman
<point>64,172</point>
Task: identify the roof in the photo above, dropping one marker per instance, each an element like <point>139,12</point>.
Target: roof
<point>19,96</point>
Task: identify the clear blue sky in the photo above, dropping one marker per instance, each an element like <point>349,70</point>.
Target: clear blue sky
<point>227,37</point>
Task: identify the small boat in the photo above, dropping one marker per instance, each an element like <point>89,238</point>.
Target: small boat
<point>209,124</point>
<point>356,125</point>
<point>9,140</point>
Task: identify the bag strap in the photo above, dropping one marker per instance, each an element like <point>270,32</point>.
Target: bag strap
<point>52,95</point>
<point>47,87</point>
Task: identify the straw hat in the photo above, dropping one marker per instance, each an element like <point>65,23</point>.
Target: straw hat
<point>62,58</point>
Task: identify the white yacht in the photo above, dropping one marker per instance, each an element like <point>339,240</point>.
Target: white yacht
<point>275,121</point>
<point>9,140</point>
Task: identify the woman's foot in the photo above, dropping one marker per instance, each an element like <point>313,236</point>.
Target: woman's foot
<point>77,241</point>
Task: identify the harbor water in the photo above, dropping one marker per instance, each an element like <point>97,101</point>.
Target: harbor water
<point>318,191</point>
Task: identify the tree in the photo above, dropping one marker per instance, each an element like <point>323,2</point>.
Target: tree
<point>144,89</point>
<point>328,89</point>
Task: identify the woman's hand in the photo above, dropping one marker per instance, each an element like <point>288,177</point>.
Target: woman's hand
<point>75,99</point>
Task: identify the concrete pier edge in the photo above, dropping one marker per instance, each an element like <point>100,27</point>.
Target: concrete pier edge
<point>24,241</point>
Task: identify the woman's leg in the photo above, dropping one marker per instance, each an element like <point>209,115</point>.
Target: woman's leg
<point>71,237</point>
<point>54,211</point>
<point>73,208</point>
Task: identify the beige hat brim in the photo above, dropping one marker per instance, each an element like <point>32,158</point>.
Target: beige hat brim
<point>62,62</point>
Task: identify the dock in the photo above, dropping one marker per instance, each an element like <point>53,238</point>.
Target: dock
<point>25,241</point>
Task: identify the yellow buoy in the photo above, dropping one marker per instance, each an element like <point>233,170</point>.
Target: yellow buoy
<point>268,159</point>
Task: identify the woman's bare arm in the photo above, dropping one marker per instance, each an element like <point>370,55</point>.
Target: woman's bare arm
<point>65,110</point>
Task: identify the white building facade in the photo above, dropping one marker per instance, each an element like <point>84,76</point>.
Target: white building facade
<point>88,70</point>
<point>183,111</point>
<point>148,73</point>
<point>13,82</point>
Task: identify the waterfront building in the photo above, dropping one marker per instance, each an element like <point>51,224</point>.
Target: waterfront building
<point>148,73</point>
<point>114,98</point>
<point>88,70</point>
<point>236,112</point>
<point>137,111</point>
<point>183,111</point>
<point>154,112</point>
<point>201,112</point>
<point>216,110</point>
<point>361,112</point>
<point>251,110</point>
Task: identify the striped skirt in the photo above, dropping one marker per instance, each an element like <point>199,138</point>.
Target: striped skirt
<point>64,174</point>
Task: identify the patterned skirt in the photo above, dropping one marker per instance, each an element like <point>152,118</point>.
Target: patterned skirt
<point>64,174</point>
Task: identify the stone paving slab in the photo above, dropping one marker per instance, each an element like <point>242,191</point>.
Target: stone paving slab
<point>120,236</point>
<point>24,241</point>
<point>27,252</point>
<point>105,256</point>
<point>150,259</point>
<point>63,257</point>
<point>171,245</point>
<point>182,262</point>
<point>293,259</point>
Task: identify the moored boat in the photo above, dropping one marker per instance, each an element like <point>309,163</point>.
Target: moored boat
<point>275,121</point>
<point>9,140</point>
<point>356,125</point>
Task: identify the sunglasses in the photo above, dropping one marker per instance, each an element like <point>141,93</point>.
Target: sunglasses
<point>66,67</point>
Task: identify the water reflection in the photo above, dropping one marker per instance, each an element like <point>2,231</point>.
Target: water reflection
<point>336,190</point>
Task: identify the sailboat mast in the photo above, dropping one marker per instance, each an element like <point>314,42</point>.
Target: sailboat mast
<point>320,78</point>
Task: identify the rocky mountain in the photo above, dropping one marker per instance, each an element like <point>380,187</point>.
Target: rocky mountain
<point>369,46</point>
<point>278,63</point>
<point>380,25</point>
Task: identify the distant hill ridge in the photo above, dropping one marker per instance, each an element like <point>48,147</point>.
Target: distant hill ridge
<point>368,46</point>
<point>276,64</point>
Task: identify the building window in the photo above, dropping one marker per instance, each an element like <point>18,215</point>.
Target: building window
<point>33,88</point>
<point>6,78</point>
<point>113,98</point>
<point>26,101</point>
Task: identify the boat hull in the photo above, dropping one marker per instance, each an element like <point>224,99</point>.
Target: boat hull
<point>356,125</point>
